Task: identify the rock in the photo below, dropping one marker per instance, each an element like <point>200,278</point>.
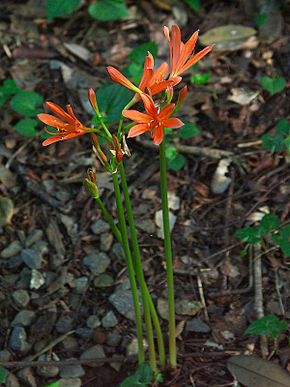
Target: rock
<point>104,281</point>
<point>122,300</point>
<point>118,252</point>
<point>81,285</point>
<point>41,247</point>
<point>17,340</point>
<point>36,280</point>
<point>106,242</point>
<point>173,201</point>
<point>47,371</point>
<point>70,382</point>
<point>64,324</point>
<point>21,298</point>
<point>5,355</point>
<point>93,322</point>
<point>132,348</point>
<point>75,371</point>
<point>84,333</point>
<point>97,263</point>
<point>12,381</point>
<point>197,325</point>
<point>13,262</point>
<point>100,226</point>
<point>110,320</point>
<point>188,307</point>
<point>95,352</point>
<point>25,374</point>
<point>34,236</point>
<point>31,258</point>
<point>159,222</point>
<point>70,344</point>
<point>146,225</point>
<point>12,249</point>
<point>113,339</point>
<point>24,318</point>
<point>162,307</point>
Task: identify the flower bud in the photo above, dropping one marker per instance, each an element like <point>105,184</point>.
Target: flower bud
<point>93,100</point>
<point>117,148</point>
<point>90,184</point>
<point>98,150</point>
<point>181,97</point>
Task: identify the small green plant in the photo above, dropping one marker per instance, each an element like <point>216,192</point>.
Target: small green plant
<point>3,375</point>
<point>280,139</point>
<point>270,227</point>
<point>260,19</point>
<point>195,5</point>
<point>269,326</point>
<point>273,85</point>
<point>200,78</point>
<point>23,102</point>
<point>142,377</point>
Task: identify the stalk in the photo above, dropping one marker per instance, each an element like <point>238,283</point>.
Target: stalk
<point>168,254</point>
<point>149,308</point>
<point>130,268</point>
<point>110,220</point>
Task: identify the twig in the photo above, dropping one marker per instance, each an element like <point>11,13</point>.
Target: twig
<point>201,295</point>
<point>278,286</point>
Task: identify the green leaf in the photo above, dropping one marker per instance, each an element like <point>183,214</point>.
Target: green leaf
<point>144,373</point>
<point>287,143</point>
<point>273,143</point>
<point>26,103</point>
<point>139,53</point>
<point>193,4</point>
<point>200,78</point>
<point>268,223</point>
<point>273,85</point>
<point>3,375</point>
<point>176,163</point>
<point>248,234</point>
<point>283,127</point>
<point>105,10</point>
<point>6,211</point>
<point>111,100</point>
<point>26,127</point>
<point>131,381</point>
<point>260,19</point>
<point>170,152</point>
<point>269,326</point>
<point>134,72</point>
<point>7,89</point>
<point>282,238</point>
<point>56,8</point>
<point>159,378</point>
<point>188,130</point>
<point>54,384</point>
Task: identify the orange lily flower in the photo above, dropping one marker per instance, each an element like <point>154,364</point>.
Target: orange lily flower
<point>154,121</point>
<point>67,125</point>
<point>182,56</point>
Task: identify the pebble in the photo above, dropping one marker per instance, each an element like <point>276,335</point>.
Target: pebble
<point>104,281</point>
<point>122,300</point>
<point>70,343</point>
<point>113,339</point>
<point>5,355</point>
<point>118,252</point>
<point>197,325</point>
<point>34,236</point>
<point>12,381</point>
<point>100,226</point>
<point>109,320</point>
<point>80,285</point>
<point>36,279</point>
<point>17,340</point>
<point>13,262</point>
<point>132,348</point>
<point>47,371</point>
<point>106,241</point>
<point>159,222</point>
<point>93,322</point>
<point>31,258</point>
<point>41,247</point>
<point>146,225</point>
<point>162,307</point>
<point>21,298</point>
<point>70,382</point>
<point>64,324</point>
<point>26,375</point>
<point>75,371</point>
<point>188,307</point>
<point>23,318</point>
<point>95,352</point>
<point>97,263</point>
<point>12,249</point>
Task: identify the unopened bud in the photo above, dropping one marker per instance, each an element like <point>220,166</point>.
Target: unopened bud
<point>93,100</point>
<point>98,150</point>
<point>90,184</point>
<point>117,148</point>
<point>169,94</point>
<point>181,97</point>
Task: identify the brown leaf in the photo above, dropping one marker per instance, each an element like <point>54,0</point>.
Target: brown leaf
<point>253,371</point>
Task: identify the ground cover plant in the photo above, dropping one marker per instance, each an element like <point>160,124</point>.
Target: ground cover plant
<point>185,175</point>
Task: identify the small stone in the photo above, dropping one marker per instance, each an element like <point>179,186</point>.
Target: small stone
<point>110,320</point>
<point>24,318</point>
<point>75,371</point>
<point>12,249</point>
<point>162,307</point>
<point>146,225</point>
<point>188,307</point>
<point>21,298</point>
<point>13,262</point>
<point>95,352</point>
<point>70,344</point>
<point>12,381</point>
<point>34,236</point>
<point>41,247</point>
<point>47,371</point>
<point>132,348</point>
<point>113,339</point>
<point>70,382</point>
<point>25,374</point>
<point>5,355</point>
<point>104,281</point>
<point>197,325</point>
<point>159,222</point>
<point>97,263</point>
<point>173,201</point>
<point>31,258</point>
<point>100,226</point>
<point>17,340</point>
<point>84,333</point>
<point>36,280</point>
<point>93,322</point>
<point>81,284</point>
<point>122,300</point>
<point>118,252</point>
<point>64,324</point>
<point>106,242</point>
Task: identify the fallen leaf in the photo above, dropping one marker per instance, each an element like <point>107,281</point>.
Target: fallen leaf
<point>6,211</point>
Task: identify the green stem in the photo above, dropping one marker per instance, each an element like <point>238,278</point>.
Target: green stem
<point>110,220</point>
<point>168,254</point>
<point>130,268</point>
<point>147,300</point>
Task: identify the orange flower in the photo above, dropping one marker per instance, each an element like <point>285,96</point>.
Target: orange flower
<point>154,121</point>
<point>181,54</point>
<point>68,126</point>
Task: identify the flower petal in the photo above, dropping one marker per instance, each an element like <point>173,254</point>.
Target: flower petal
<point>50,120</point>
<point>195,58</point>
<point>70,112</point>
<point>60,112</point>
<point>138,129</point>
<point>118,77</point>
<point>52,140</point>
<point>150,108</point>
<point>148,72</point>
<point>158,135</point>
<point>176,45</point>
<point>173,123</point>
<point>166,111</point>
<point>137,116</point>
<point>186,51</point>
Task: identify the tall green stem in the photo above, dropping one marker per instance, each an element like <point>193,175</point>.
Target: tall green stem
<point>110,220</point>
<point>168,254</point>
<point>147,300</point>
<point>130,268</point>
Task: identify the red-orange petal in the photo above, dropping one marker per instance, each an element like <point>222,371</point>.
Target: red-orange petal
<point>176,45</point>
<point>186,51</point>
<point>195,58</point>
<point>138,129</point>
<point>173,123</point>
<point>70,112</point>
<point>59,112</point>
<point>50,120</point>
<point>166,111</point>
<point>137,116</point>
<point>150,108</point>
<point>52,140</point>
<point>118,77</point>
<point>158,135</point>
